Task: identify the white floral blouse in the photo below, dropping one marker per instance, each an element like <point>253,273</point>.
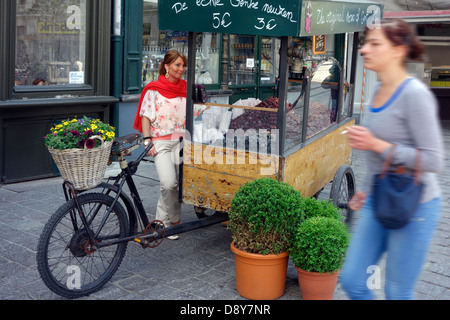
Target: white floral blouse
<point>167,116</point>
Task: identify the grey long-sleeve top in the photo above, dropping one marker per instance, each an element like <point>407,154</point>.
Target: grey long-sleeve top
<point>410,120</point>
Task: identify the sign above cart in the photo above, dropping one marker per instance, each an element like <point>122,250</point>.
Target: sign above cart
<point>268,17</point>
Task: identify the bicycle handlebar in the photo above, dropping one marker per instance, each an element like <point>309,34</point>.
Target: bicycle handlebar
<point>134,140</point>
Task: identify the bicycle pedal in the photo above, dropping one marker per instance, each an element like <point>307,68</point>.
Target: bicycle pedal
<point>144,243</point>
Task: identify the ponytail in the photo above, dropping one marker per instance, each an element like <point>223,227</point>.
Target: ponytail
<point>399,32</point>
<point>416,50</point>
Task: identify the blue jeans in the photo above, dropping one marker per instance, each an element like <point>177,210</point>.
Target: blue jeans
<point>405,249</point>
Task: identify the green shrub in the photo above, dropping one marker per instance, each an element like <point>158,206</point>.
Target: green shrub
<point>263,215</point>
<point>319,244</point>
<point>313,207</point>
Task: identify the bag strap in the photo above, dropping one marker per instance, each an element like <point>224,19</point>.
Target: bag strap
<point>417,166</point>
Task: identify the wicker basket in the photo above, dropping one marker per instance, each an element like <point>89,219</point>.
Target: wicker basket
<point>84,168</point>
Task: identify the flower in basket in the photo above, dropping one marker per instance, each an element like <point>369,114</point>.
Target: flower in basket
<point>78,133</point>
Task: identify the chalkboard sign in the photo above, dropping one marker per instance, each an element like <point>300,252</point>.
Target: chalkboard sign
<point>319,44</point>
<point>267,17</point>
<point>329,17</point>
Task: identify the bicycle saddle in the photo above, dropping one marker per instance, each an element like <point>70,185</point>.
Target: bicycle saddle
<point>128,138</point>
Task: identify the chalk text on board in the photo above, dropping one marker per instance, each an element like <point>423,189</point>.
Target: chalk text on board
<point>280,11</point>
<point>221,22</point>
<point>206,3</point>
<point>178,7</point>
<point>244,3</point>
<point>262,24</point>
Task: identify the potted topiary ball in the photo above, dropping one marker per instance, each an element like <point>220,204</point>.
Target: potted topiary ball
<point>263,215</point>
<point>312,207</point>
<point>318,248</point>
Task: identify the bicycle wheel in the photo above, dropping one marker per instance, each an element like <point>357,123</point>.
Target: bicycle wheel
<point>68,263</point>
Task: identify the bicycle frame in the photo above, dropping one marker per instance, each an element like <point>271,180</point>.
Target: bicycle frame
<point>135,208</point>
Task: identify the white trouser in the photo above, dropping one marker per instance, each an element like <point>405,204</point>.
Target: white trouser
<point>169,208</point>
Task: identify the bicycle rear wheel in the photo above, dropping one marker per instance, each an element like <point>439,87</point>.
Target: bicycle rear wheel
<point>68,263</point>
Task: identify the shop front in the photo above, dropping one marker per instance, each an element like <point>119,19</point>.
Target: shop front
<point>431,20</point>
<point>54,64</point>
<point>435,36</point>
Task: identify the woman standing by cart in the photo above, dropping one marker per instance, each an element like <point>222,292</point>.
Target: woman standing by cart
<point>161,118</point>
<point>403,112</point>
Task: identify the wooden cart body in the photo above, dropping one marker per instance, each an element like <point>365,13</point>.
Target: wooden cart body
<point>212,183</point>
<point>211,175</point>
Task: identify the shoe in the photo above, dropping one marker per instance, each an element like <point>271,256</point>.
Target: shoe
<point>173,237</point>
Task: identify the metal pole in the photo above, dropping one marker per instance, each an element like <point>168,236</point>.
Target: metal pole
<point>190,85</point>
<point>354,67</point>
<point>282,94</point>
<point>306,78</point>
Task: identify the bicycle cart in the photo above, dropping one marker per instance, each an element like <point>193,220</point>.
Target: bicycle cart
<point>295,137</point>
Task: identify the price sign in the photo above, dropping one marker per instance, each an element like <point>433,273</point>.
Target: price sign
<point>319,44</point>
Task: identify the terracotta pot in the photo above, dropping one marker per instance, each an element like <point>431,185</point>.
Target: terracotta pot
<point>317,286</point>
<point>260,277</point>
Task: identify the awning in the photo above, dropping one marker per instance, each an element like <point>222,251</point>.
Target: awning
<point>414,5</point>
<point>417,10</point>
<point>268,17</point>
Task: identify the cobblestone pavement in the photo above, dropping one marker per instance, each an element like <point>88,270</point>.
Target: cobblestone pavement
<point>198,266</point>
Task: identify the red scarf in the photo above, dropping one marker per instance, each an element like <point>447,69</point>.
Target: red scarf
<point>166,88</point>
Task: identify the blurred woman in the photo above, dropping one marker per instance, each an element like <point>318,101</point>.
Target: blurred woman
<point>403,112</point>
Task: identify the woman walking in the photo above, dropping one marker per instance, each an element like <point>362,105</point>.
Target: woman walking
<point>161,118</point>
<point>403,112</point>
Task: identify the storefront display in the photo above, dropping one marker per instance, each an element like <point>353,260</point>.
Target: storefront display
<point>51,49</point>
<point>270,60</point>
<point>242,59</point>
<point>207,56</point>
<point>435,72</point>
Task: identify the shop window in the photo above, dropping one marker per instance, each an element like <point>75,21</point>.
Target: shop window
<point>436,72</point>
<point>207,54</point>
<point>51,42</point>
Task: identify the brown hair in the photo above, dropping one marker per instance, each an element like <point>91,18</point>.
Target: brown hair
<point>399,32</point>
<point>170,57</point>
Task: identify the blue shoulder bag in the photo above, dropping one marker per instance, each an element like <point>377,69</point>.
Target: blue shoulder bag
<point>397,194</point>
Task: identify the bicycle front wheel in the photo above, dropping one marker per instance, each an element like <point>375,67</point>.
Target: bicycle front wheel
<point>69,264</point>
